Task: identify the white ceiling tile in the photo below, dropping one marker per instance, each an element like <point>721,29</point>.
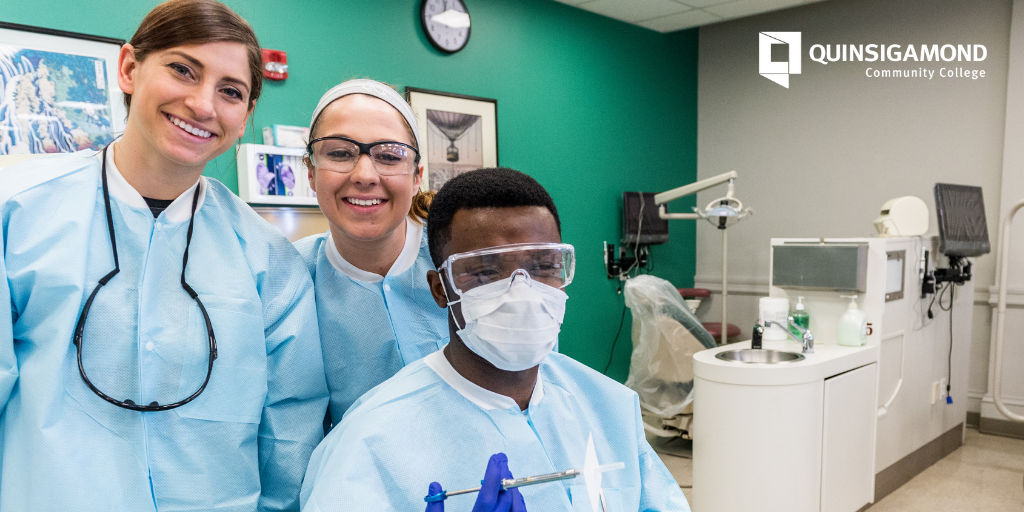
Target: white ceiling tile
<point>634,10</point>
<point>574,2</point>
<point>673,22</point>
<point>666,15</point>
<point>699,3</point>
<point>750,7</point>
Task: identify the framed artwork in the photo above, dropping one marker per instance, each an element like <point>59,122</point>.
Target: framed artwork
<point>60,90</point>
<point>273,175</point>
<point>460,134</point>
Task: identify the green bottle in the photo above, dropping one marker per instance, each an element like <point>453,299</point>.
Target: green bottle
<point>800,317</point>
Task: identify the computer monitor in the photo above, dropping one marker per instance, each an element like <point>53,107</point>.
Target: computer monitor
<point>652,229</point>
<point>963,231</point>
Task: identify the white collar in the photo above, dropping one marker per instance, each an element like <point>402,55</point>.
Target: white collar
<point>179,210</point>
<point>411,249</point>
<point>485,399</point>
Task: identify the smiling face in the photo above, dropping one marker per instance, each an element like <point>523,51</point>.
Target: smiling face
<point>362,205</point>
<point>189,103</point>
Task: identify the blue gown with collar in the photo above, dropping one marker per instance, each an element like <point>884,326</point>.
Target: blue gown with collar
<point>424,425</point>
<point>370,330</point>
<point>243,444</point>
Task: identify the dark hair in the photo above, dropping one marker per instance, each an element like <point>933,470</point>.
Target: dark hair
<point>485,188</point>
<point>189,22</point>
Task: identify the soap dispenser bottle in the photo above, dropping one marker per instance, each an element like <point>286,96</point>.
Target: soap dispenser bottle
<point>800,317</point>
<point>852,324</point>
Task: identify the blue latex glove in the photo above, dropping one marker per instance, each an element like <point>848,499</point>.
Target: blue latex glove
<point>491,498</point>
<point>437,506</point>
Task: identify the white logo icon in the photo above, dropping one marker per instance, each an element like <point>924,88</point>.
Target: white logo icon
<point>778,72</point>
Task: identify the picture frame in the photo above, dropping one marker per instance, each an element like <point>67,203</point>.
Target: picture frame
<point>273,175</point>
<point>73,95</point>
<point>459,133</point>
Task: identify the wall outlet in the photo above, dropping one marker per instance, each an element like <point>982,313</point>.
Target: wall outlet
<point>936,393</point>
<point>942,388</point>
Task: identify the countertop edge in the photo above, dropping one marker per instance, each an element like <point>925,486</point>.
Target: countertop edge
<point>828,361</point>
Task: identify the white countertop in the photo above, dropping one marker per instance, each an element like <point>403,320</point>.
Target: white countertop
<point>826,361</point>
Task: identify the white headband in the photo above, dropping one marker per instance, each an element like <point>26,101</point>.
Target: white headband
<point>371,88</point>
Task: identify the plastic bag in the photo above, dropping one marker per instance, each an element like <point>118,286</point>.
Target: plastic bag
<point>665,337</point>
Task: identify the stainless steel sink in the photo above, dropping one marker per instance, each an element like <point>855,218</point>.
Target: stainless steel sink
<point>749,355</point>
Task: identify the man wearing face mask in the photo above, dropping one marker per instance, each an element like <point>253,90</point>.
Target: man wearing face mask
<point>497,387</point>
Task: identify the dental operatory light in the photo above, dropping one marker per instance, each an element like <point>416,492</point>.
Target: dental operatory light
<point>727,212</point>
<point>721,213</point>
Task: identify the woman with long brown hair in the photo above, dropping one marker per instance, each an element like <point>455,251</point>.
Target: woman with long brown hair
<point>162,350</point>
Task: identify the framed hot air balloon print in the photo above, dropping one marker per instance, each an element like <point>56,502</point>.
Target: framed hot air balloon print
<point>459,132</point>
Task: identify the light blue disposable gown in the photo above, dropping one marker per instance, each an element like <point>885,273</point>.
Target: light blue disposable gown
<point>370,330</point>
<point>416,428</point>
<point>242,444</point>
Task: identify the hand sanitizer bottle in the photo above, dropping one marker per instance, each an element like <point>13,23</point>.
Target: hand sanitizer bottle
<point>852,325</point>
<point>800,317</point>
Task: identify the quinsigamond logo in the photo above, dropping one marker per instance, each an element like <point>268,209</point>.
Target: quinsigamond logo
<point>779,56</point>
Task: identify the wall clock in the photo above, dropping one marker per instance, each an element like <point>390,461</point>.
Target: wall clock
<point>446,24</point>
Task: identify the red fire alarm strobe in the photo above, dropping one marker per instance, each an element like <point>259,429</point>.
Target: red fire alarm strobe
<point>275,64</point>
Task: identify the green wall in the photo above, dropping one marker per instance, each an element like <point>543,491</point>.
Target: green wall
<point>587,105</point>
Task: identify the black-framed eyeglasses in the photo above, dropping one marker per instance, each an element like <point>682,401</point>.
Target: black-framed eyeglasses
<point>80,327</point>
<point>340,154</point>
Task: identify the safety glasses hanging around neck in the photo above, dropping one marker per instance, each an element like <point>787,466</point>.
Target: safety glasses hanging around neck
<point>80,326</point>
<point>548,263</point>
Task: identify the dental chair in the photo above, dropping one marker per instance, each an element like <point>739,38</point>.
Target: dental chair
<point>693,297</point>
<point>665,337</point>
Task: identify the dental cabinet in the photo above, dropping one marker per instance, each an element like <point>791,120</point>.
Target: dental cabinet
<point>833,430</point>
<point>796,439</point>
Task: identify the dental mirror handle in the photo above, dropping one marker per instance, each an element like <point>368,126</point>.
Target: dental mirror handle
<point>539,479</point>
<point>510,483</point>
<point>551,477</point>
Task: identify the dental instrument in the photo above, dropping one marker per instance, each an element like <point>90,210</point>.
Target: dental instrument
<point>510,483</point>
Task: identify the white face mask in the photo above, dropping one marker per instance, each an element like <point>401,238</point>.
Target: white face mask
<point>516,329</point>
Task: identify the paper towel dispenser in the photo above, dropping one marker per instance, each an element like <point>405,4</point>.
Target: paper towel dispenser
<point>841,267</point>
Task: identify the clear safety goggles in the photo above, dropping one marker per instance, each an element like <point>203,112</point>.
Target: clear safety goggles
<point>340,154</point>
<point>551,264</point>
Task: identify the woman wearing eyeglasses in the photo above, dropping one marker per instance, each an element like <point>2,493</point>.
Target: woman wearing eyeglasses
<point>158,344</point>
<point>374,306</point>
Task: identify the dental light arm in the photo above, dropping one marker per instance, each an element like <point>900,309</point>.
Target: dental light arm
<point>693,188</point>
<point>688,190</point>
<point>721,213</point>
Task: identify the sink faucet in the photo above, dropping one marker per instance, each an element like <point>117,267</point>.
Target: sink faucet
<point>806,338</point>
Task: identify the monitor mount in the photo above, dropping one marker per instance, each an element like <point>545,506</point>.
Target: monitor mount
<point>619,267</point>
<point>959,272</point>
